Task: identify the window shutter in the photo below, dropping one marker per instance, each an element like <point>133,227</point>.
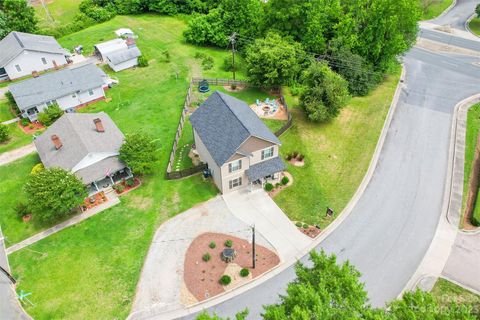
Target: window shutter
<point>239,164</point>
<point>230,184</point>
<point>230,169</point>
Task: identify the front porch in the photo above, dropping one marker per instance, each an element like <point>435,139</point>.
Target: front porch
<point>109,181</point>
<point>269,171</point>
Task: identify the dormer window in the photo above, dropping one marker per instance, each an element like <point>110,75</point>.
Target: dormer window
<point>267,153</point>
<point>235,166</point>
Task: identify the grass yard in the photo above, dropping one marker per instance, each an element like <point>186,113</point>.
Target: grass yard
<point>336,159</point>
<point>5,110</point>
<point>473,129</point>
<point>182,160</point>
<point>18,139</point>
<point>433,8</point>
<point>90,271</point>
<point>447,293</point>
<point>474,25</point>
<point>61,12</point>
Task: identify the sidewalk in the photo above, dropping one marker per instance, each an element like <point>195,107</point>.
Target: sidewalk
<point>9,305</point>
<point>16,154</point>
<point>112,200</point>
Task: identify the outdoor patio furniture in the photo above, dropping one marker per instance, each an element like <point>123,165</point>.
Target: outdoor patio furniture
<point>228,254</point>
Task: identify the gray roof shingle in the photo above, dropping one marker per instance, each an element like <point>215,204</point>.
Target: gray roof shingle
<point>123,55</point>
<point>54,85</point>
<point>265,168</point>
<point>79,137</point>
<point>15,42</point>
<point>223,123</point>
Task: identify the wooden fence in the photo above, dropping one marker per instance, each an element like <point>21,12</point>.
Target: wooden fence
<point>171,174</point>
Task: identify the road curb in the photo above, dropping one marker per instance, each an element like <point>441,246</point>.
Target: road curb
<point>441,245</point>
<point>454,3</point>
<point>174,314</point>
<point>467,26</point>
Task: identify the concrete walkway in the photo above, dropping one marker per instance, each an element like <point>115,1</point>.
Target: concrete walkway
<point>257,207</point>
<point>160,286</point>
<point>10,308</point>
<point>112,200</point>
<point>11,121</point>
<point>16,154</point>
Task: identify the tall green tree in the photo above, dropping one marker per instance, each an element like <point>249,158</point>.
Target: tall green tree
<point>139,152</point>
<point>273,61</point>
<point>53,192</point>
<point>19,16</point>
<point>326,92</point>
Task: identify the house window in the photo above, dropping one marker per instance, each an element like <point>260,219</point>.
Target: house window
<point>74,95</point>
<point>267,153</point>
<point>235,182</point>
<point>90,92</point>
<point>235,166</point>
<point>44,61</point>
<point>18,68</point>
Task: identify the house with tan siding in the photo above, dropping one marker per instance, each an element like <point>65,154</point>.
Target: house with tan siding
<point>238,148</point>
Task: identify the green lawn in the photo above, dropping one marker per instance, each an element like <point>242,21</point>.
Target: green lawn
<point>5,110</point>
<point>337,154</point>
<point>434,8</point>
<point>474,25</point>
<point>447,293</point>
<point>61,12</point>
<point>473,129</point>
<point>182,160</point>
<point>18,139</point>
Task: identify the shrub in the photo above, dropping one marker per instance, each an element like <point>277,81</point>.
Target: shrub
<point>200,55</point>
<point>166,54</point>
<point>212,245</point>
<point>4,133</point>
<point>142,61</point>
<point>225,280</point>
<point>44,119</point>
<point>296,90</point>
<point>118,187</point>
<point>50,114</point>
<point>233,86</point>
<point>285,180</point>
<point>244,272</point>
<point>229,243</point>
<point>299,224</point>
<point>21,210</point>
<point>13,103</point>
<point>207,63</point>
<point>300,157</point>
<point>277,184</point>
<point>30,126</point>
<point>130,182</point>
<point>96,12</point>
<point>139,152</point>
<point>206,257</point>
<point>294,154</point>
<point>268,187</point>
<point>288,157</point>
<point>305,226</point>
<point>37,168</point>
<point>25,122</point>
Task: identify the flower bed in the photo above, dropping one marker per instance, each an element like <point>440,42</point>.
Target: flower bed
<point>94,201</point>
<point>311,231</point>
<point>31,127</point>
<point>295,158</point>
<point>126,186</point>
<point>204,268</point>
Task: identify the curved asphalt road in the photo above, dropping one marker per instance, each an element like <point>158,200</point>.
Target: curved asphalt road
<point>457,17</point>
<point>391,227</point>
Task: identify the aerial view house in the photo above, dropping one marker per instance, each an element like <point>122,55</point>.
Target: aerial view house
<point>21,54</point>
<point>120,54</point>
<point>239,149</point>
<point>86,144</point>
<point>70,88</point>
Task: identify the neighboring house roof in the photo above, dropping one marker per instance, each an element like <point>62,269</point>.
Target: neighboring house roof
<point>15,42</point>
<point>265,168</point>
<point>56,84</point>
<point>80,139</point>
<point>123,55</point>
<point>111,46</point>
<point>224,123</point>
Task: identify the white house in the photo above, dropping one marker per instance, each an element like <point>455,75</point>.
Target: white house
<point>24,53</point>
<point>237,146</point>
<point>123,59</point>
<point>70,88</point>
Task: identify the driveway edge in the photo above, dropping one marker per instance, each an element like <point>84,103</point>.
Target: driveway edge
<point>467,26</point>
<point>439,250</point>
<point>174,314</point>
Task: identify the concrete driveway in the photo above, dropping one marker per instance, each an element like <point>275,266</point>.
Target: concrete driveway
<point>463,264</point>
<point>258,208</point>
<point>161,281</point>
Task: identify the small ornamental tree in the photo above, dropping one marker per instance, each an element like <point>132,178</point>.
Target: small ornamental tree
<point>50,114</point>
<point>139,152</point>
<point>37,168</point>
<point>325,94</point>
<point>4,133</point>
<point>53,192</point>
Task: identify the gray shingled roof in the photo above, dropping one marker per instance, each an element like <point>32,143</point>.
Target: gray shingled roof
<point>265,168</point>
<point>15,42</point>
<point>54,85</point>
<point>79,137</point>
<point>123,55</point>
<point>223,123</point>
<point>99,170</point>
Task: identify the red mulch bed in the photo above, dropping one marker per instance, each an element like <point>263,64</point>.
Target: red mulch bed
<point>311,231</point>
<point>99,198</point>
<point>36,126</point>
<point>129,188</point>
<point>202,278</point>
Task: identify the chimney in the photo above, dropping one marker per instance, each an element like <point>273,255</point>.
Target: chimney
<point>56,141</point>
<point>98,125</point>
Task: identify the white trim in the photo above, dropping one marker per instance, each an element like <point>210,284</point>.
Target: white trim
<point>93,158</point>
